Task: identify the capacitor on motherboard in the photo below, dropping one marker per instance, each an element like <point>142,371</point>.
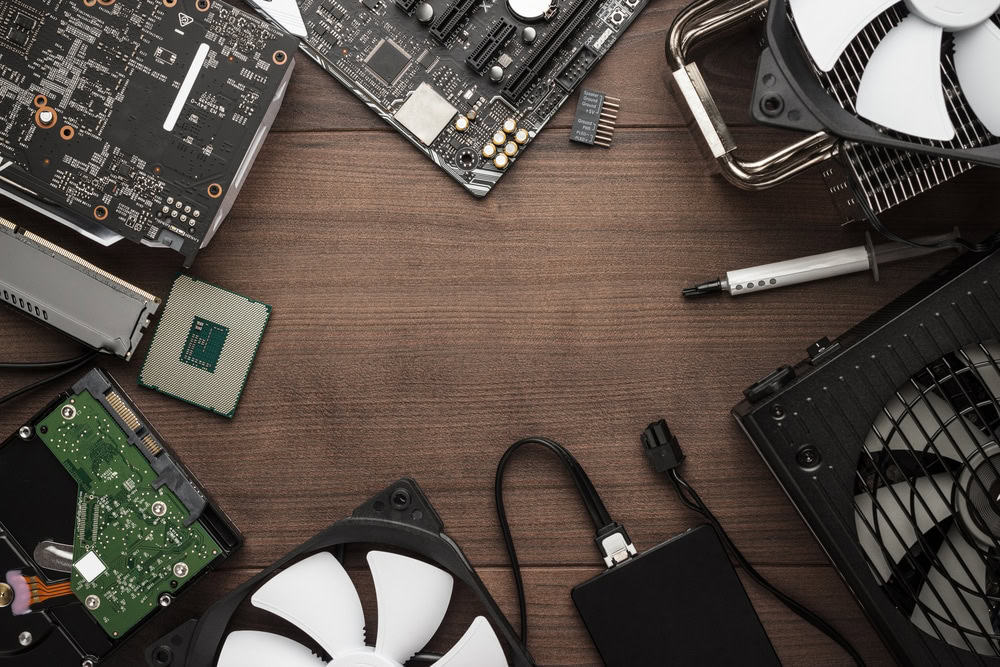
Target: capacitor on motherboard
<point>510,149</point>
<point>499,138</point>
<point>529,34</point>
<point>521,136</point>
<point>501,161</point>
<point>424,12</point>
<point>496,73</point>
<point>509,126</point>
<point>489,150</point>
<point>461,124</point>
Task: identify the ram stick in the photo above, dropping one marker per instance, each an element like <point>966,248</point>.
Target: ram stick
<point>55,287</point>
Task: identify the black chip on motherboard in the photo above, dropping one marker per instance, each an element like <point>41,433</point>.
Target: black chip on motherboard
<point>17,37</point>
<point>25,22</point>
<point>388,61</point>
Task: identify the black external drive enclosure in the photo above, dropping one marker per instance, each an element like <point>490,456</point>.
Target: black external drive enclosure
<point>680,603</point>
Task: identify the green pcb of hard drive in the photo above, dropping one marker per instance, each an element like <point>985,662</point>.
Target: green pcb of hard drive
<point>130,544</point>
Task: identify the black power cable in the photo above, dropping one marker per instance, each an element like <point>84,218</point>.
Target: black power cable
<point>961,244</point>
<point>609,532</point>
<point>66,367</point>
<point>664,452</point>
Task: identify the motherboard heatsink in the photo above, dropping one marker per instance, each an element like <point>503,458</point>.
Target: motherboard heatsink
<point>139,119</point>
<point>469,83</point>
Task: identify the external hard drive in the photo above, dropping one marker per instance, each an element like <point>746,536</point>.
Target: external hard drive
<point>680,603</point>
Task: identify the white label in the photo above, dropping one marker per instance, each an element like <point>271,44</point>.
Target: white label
<point>186,87</point>
<point>90,567</point>
<point>603,38</point>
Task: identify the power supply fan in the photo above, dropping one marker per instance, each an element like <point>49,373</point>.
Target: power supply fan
<point>901,87</point>
<point>928,506</point>
<point>310,589</point>
<point>317,595</point>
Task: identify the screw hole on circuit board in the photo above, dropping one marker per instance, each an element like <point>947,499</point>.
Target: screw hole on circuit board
<point>67,132</point>
<point>41,101</point>
<point>46,117</point>
<point>202,5</point>
<point>279,57</point>
<point>214,190</point>
<point>89,3</point>
<point>169,3</point>
<point>105,3</point>
<point>101,212</point>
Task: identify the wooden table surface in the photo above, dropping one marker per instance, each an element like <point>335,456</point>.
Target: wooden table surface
<point>418,331</point>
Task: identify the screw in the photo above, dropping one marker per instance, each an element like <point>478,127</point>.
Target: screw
<point>68,412</point>
<point>159,508</point>
<point>92,602</point>
<point>181,570</point>
<point>24,432</point>
<point>25,639</point>
<point>778,411</point>
<point>166,599</point>
<point>808,457</point>
<point>87,663</point>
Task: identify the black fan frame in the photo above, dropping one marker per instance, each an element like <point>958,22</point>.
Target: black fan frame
<point>789,95</point>
<point>809,423</point>
<point>400,516</point>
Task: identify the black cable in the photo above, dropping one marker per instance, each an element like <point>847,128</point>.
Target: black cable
<point>696,504</point>
<point>591,499</point>
<point>964,245</point>
<point>664,452</point>
<point>42,365</point>
<point>81,361</point>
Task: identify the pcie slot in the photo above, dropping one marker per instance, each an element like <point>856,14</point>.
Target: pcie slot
<point>449,19</point>
<point>544,52</point>
<point>496,39</point>
<point>62,290</point>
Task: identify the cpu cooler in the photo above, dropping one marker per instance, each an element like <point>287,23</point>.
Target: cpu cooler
<point>887,440</point>
<point>892,97</point>
<point>310,589</point>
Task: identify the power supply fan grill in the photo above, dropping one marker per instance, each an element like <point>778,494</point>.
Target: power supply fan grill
<point>927,499</point>
<point>318,596</point>
<point>923,70</point>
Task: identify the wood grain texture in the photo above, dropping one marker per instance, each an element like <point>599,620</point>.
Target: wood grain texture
<point>417,331</point>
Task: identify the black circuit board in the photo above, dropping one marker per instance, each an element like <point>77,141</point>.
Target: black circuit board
<point>86,91</point>
<point>383,53</point>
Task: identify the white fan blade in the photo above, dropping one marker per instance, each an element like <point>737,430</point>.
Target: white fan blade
<point>957,602</point>
<point>318,596</point>
<point>929,419</point>
<point>901,88</point>
<point>875,526</point>
<point>413,598</point>
<point>248,648</point>
<point>977,60</point>
<point>827,27</point>
<point>478,647</point>
<point>285,13</point>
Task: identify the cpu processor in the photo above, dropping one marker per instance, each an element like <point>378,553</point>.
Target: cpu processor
<point>204,345</point>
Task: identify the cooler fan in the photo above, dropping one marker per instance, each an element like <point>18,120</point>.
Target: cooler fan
<point>317,595</point>
<point>310,589</point>
<point>901,87</point>
<point>887,440</point>
<point>928,501</point>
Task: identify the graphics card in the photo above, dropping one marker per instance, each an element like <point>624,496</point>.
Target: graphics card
<point>137,119</point>
<point>886,440</point>
<point>100,527</point>
<point>310,589</point>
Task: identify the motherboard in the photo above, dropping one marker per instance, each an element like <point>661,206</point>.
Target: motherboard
<point>136,119</point>
<point>469,82</point>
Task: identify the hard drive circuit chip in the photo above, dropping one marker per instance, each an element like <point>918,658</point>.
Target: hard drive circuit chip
<point>205,345</point>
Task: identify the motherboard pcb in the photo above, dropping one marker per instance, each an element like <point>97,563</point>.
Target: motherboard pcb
<point>100,527</point>
<point>469,82</point>
<point>136,119</point>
